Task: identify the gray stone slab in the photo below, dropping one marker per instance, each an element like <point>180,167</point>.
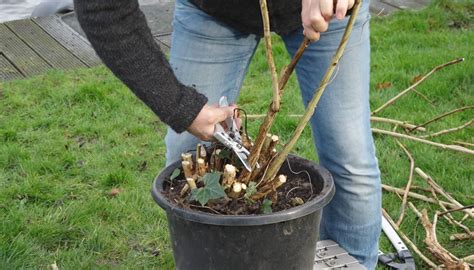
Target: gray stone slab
<point>385,7</point>
<point>44,45</point>
<point>7,70</point>
<point>159,17</point>
<point>70,39</point>
<point>407,4</point>
<point>164,41</point>
<point>27,61</point>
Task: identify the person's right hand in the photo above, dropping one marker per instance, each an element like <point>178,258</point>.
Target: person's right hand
<point>204,123</point>
<point>316,14</point>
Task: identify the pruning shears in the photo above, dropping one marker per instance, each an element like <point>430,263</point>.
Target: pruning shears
<point>231,138</point>
<point>403,260</point>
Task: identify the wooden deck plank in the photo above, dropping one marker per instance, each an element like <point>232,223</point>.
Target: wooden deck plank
<point>7,70</point>
<point>43,44</point>
<point>69,38</point>
<point>22,56</point>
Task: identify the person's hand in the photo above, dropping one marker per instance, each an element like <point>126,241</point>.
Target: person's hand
<point>204,123</point>
<point>316,14</point>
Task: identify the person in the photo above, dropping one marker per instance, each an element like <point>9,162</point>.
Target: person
<point>213,42</point>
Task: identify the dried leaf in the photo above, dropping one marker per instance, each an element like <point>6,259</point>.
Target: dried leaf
<point>114,192</point>
<point>416,78</point>
<point>383,85</point>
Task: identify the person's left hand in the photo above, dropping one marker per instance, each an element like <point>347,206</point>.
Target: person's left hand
<point>316,14</point>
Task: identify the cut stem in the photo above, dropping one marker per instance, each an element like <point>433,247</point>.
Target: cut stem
<point>392,100</point>
<point>444,115</point>
<point>448,130</point>
<point>414,195</point>
<point>229,175</point>
<point>461,236</point>
<point>281,157</point>
<point>271,114</point>
<point>407,188</point>
<point>191,183</point>
<point>269,53</point>
<point>201,167</point>
<point>444,146</point>
<point>440,190</point>
<point>187,169</point>
<point>408,241</point>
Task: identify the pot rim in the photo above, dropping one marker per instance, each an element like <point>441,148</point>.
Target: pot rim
<point>317,203</point>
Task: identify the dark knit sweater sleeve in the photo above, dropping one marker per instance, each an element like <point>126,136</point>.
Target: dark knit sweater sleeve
<point>118,31</point>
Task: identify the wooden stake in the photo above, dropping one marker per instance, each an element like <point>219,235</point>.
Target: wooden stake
<point>187,169</point>
<point>444,146</point>
<point>440,190</point>
<point>281,157</point>
<point>408,241</point>
<point>392,100</point>
<point>407,188</point>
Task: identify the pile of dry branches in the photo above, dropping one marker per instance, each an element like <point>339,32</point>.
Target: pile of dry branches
<point>418,133</point>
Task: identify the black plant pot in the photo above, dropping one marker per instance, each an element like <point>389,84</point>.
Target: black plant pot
<point>281,240</point>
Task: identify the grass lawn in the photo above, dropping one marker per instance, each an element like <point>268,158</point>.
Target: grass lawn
<point>68,138</point>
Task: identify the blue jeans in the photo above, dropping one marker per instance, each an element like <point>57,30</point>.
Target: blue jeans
<point>213,57</point>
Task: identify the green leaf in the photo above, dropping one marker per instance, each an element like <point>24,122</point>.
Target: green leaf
<point>175,174</point>
<point>251,189</point>
<point>266,206</point>
<point>224,153</point>
<point>212,189</point>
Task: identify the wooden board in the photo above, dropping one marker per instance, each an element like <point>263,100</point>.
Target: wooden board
<point>23,57</point>
<point>69,38</point>
<point>44,45</point>
<point>7,70</point>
